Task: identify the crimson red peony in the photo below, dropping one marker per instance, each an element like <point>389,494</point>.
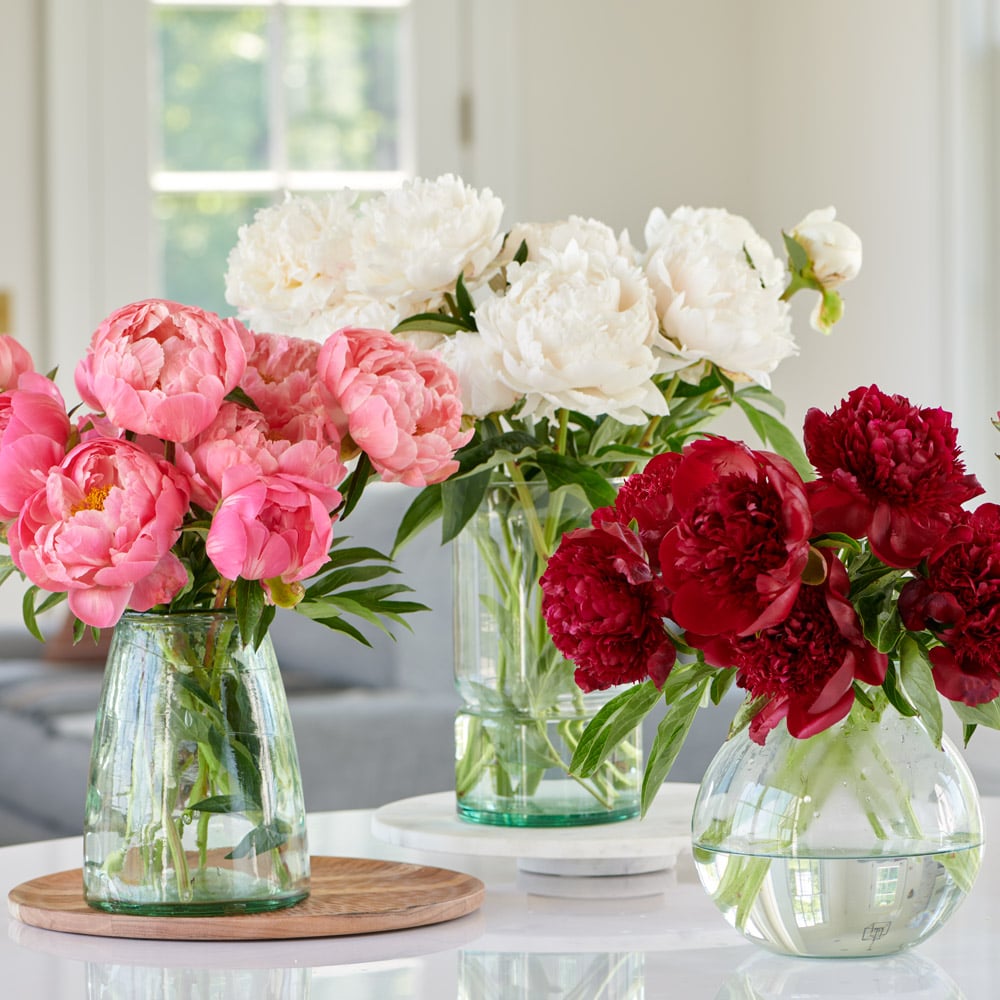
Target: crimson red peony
<point>734,559</point>
<point>806,665</point>
<point>604,608</point>
<point>959,601</point>
<point>888,470</point>
<point>647,499</point>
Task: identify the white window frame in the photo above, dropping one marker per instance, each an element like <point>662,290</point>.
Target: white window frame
<point>99,219</point>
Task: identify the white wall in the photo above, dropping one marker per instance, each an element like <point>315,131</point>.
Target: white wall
<point>20,168</point>
<point>771,109</point>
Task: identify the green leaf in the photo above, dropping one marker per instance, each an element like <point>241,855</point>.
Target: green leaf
<point>564,471</point>
<point>611,725</point>
<point>239,396</point>
<point>721,683</point>
<point>522,253</point>
<point>797,256</point>
<point>355,485</point>
<point>747,710</point>
<point>30,610</point>
<point>426,508</point>
<point>918,683</point>
<point>460,499</point>
<point>465,304</point>
<point>987,714</point>
<point>775,434</point>
<point>225,804</point>
<point>431,323</point>
<point>894,693</point>
<point>261,839</point>
<point>670,736</point>
<point>336,624</point>
<point>250,605</point>
<point>7,568</point>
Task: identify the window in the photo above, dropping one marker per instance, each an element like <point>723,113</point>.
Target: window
<point>249,100</point>
<point>169,123</point>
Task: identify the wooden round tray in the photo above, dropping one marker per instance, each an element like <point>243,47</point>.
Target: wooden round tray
<point>347,896</point>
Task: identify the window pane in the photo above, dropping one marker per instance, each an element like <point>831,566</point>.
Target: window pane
<point>195,233</point>
<point>212,70</point>
<point>341,83</point>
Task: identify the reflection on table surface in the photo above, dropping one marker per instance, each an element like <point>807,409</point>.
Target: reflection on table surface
<point>533,938</point>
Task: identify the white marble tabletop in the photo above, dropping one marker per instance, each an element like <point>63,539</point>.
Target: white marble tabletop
<point>600,938</point>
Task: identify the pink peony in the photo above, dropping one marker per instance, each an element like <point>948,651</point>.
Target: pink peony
<point>14,362</point>
<point>281,380</point>
<point>240,437</point>
<point>399,405</point>
<point>266,528</point>
<point>162,368</point>
<point>34,431</point>
<point>888,470</point>
<point>735,556</point>
<point>604,609</point>
<point>101,529</point>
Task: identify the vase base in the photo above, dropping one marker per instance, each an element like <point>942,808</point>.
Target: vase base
<point>838,906</point>
<point>207,908</point>
<point>541,818</point>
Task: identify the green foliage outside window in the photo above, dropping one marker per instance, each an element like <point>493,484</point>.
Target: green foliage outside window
<point>227,98</point>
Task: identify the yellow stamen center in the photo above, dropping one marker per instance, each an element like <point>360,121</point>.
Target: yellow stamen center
<point>94,500</point>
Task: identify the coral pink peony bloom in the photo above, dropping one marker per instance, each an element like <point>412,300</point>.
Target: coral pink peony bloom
<point>735,557</point>
<point>959,600</point>
<point>14,362</point>
<point>807,664</point>
<point>281,380</point>
<point>268,527</point>
<point>162,368</point>
<point>888,470</point>
<point>243,438</point>
<point>604,609</point>
<point>399,405</point>
<point>101,529</point>
<point>34,430</point>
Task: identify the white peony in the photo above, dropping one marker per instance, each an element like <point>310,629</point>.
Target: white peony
<point>411,244</point>
<point>833,248</point>
<point>714,304</point>
<point>476,362</point>
<point>595,238</point>
<point>573,333</point>
<point>288,272</point>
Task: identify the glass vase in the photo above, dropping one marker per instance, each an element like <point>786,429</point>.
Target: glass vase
<point>859,841</point>
<point>522,714</point>
<point>194,803</point>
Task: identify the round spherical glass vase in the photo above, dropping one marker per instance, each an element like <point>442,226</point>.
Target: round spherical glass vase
<point>194,801</point>
<point>522,714</point>
<point>859,841</point>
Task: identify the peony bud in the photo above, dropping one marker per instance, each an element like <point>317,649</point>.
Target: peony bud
<point>834,249</point>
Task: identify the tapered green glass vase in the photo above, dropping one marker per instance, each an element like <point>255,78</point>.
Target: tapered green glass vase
<point>194,801</point>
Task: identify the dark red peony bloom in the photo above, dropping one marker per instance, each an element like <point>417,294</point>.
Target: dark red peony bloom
<point>888,470</point>
<point>806,665</point>
<point>646,498</point>
<point>604,608</point>
<point>734,560</point>
<point>959,601</point>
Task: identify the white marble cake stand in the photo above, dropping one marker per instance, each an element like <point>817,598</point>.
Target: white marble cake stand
<point>630,847</point>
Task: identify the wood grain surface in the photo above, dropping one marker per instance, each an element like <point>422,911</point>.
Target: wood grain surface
<point>347,896</point>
